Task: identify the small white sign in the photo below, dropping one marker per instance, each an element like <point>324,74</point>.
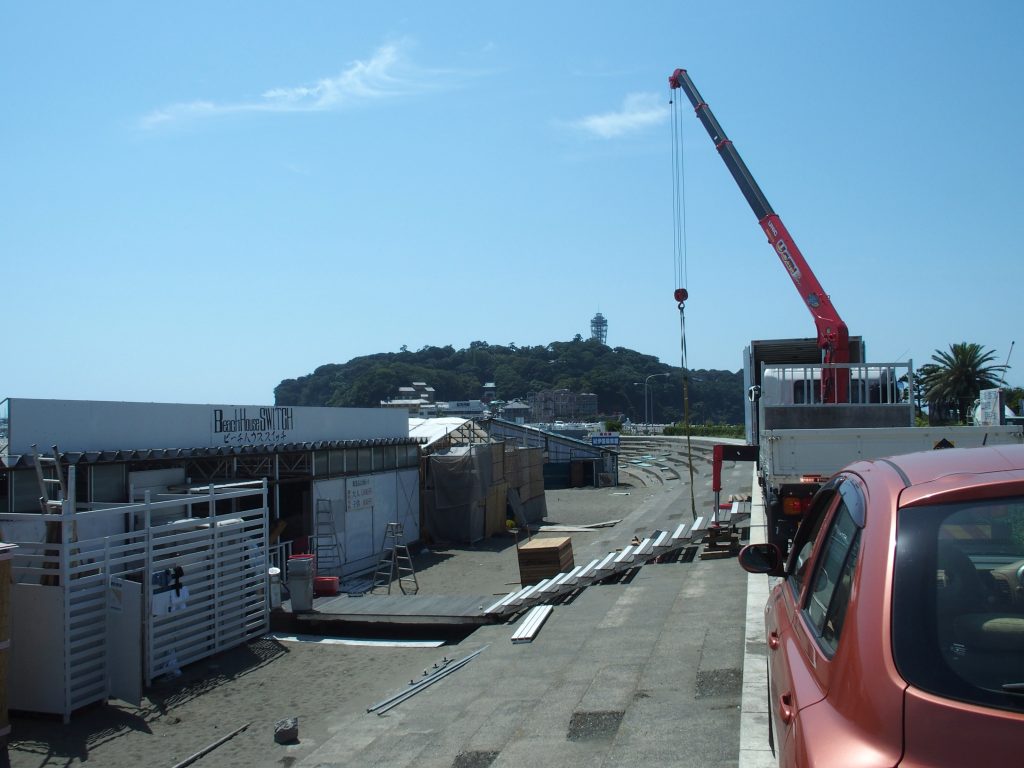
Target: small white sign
<point>990,408</point>
<point>360,494</point>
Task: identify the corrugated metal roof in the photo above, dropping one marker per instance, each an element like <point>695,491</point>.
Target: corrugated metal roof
<point>154,454</point>
<point>432,430</point>
<point>503,428</point>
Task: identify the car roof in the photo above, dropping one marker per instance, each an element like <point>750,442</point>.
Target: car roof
<point>926,466</point>
<point>946,475</point>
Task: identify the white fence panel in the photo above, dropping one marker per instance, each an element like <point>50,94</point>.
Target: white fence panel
<point>222,601</point>
<point>218,601</point>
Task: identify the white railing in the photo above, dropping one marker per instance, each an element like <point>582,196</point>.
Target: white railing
<point>223,566</point>
<point>869,383</point>
<point>279,554</point>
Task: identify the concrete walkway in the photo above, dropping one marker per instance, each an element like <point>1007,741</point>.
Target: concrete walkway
<point>754,750</point>
<point>644,673</point>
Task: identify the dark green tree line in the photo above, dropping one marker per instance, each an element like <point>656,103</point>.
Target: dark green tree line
<point>615,374</point>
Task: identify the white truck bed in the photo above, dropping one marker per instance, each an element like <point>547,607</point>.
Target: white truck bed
<point>787,454</point>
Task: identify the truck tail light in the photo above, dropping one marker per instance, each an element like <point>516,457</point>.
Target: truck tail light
<point>793,506</point>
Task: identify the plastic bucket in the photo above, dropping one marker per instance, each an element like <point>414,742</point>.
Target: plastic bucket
<point>325,585</point>
<point>300,581</point>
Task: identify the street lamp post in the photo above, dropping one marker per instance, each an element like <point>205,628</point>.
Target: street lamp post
<point>646,383</point>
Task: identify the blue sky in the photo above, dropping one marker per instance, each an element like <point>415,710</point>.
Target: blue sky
<point>202,199</point>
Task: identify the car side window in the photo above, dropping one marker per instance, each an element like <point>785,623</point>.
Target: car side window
<point>832,581</point>
<point>804,543</point>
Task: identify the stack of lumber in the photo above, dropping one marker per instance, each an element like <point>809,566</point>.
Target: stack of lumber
<point>541,559</point>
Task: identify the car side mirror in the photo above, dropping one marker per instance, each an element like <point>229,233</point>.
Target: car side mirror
<point>761,558</point>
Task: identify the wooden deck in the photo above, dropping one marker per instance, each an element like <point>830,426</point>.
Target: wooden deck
<point>453,611</point>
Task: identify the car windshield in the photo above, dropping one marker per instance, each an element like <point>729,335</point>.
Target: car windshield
<point>958,608</point>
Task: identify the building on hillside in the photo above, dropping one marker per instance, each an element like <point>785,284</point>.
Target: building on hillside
<point>516,412</point>
<point>425,392</point>
<point>470,409</point>
<point>586,406</point>
<point>419,401</point>
<point>412,406</point>
<point>560,404</point>
<point>415,400</point>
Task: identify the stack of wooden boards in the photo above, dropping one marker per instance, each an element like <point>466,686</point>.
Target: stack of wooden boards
<point>544,558</point>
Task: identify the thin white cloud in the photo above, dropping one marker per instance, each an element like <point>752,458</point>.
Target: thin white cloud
<point>382,76</point>
<point>639,111</point>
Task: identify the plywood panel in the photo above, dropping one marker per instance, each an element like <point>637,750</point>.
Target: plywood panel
<point>495,515</point>
<point>542,558</point>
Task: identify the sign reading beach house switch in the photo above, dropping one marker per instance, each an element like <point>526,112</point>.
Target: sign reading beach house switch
<point>251,426</point>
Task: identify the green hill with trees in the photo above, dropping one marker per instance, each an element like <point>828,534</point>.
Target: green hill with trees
<point>615,374</point>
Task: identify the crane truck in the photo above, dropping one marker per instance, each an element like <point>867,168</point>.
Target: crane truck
<point>815,405</point>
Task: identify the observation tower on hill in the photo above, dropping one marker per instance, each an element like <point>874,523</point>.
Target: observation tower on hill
<point>599,328</point>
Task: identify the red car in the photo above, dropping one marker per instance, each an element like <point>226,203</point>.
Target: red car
<point>896,634</point>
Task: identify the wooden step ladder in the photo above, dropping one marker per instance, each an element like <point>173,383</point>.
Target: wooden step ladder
<point>395,562</point>
<point>325,544</point>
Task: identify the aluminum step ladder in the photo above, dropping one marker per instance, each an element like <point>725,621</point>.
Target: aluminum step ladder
<point>325,544</point>
<point>394,563</point>
<point>53,490</point>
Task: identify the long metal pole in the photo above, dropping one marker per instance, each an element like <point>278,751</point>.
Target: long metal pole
<point>449,666</point>
<point>647,381</point>
<point>208,749</point>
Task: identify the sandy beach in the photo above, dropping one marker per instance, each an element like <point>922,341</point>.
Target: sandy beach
<point>267,680</point>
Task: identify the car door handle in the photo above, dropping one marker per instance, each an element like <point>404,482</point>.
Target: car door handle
<point>786,707</point>
<point>773,640</point>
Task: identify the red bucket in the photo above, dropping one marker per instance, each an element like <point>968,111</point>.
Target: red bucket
<point>325,585</point>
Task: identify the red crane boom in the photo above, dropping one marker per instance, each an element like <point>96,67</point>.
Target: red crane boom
<point>833,335</point>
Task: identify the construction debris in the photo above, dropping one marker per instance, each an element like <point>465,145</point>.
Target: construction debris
<point>286,731</point>
<point>722,542</point>
<point>443,669</point>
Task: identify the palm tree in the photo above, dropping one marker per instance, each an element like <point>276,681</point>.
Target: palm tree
<point>957,377</point>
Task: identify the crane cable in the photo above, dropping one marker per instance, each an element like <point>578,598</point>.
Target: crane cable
<point>678,197</point>
<point>679,260</point>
